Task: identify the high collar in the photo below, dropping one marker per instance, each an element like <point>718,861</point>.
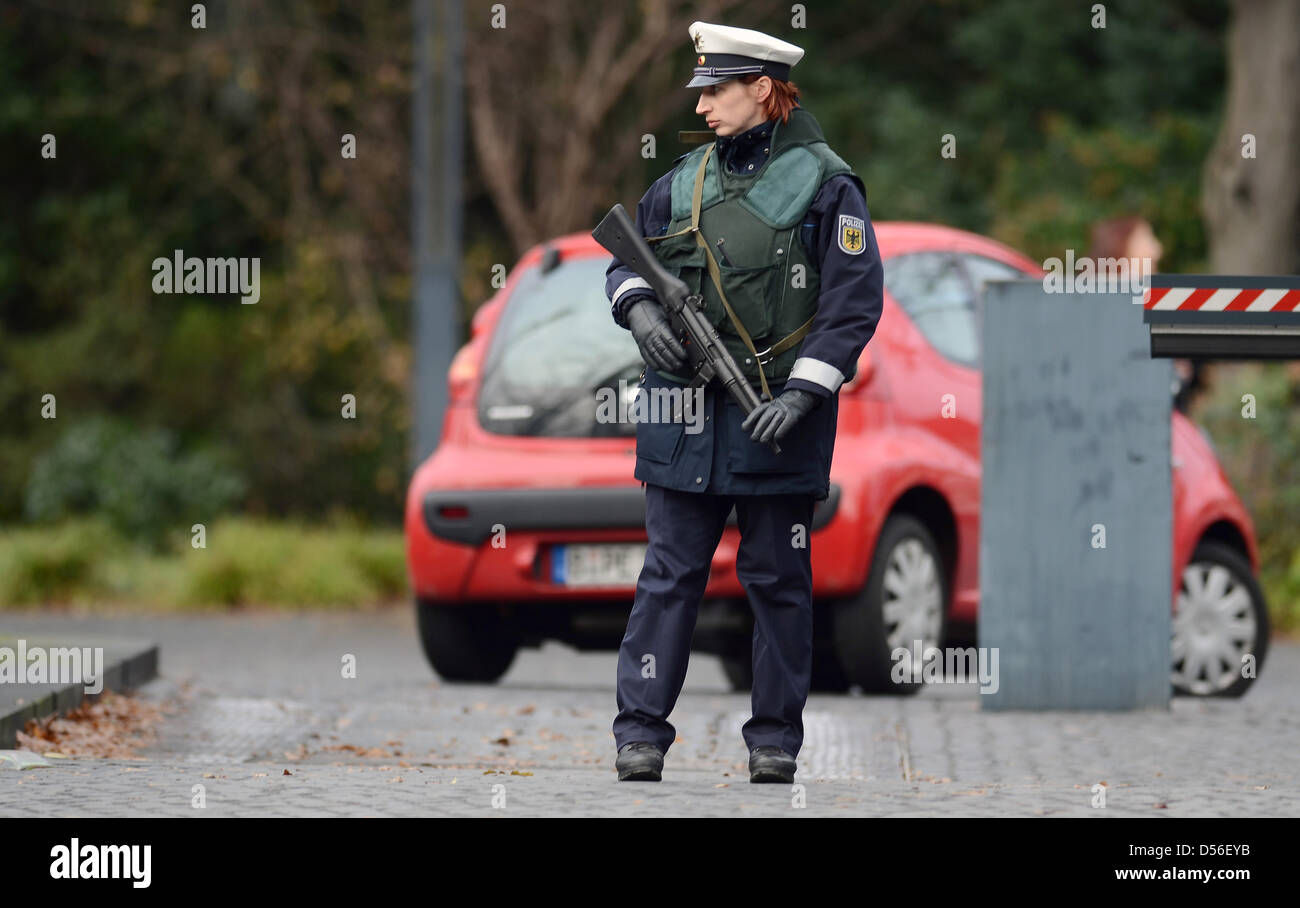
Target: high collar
<point>745,152</point>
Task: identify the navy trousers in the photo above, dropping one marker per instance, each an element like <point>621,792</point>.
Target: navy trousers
<point>683,530</point>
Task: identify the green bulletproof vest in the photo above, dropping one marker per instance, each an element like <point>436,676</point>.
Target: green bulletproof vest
<point>750,224</point>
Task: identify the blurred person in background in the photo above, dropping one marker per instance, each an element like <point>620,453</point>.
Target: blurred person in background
<point>1132,237</point>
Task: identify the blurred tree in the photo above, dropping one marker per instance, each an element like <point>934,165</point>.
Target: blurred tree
<point>1252,179</point>
<point>560,96</point>
<point>220,141</point>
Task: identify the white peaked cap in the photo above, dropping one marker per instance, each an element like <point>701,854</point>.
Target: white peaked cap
<point>724,52</point>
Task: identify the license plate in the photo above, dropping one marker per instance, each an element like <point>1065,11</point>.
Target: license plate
<point>607,564</point>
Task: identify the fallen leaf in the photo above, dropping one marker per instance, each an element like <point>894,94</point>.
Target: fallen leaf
<point>112,727</point>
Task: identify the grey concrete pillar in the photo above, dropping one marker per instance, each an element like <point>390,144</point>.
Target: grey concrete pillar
<point>1076,533</point>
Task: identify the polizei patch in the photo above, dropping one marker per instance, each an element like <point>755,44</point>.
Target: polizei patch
<point>852,234</point>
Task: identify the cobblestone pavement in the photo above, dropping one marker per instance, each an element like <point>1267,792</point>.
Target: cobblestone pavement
<point>268,726</point>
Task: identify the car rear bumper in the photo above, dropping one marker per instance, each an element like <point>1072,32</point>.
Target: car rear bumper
<point>468,516</point>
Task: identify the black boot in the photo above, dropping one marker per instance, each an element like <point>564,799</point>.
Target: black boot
<point>768,763</point>
<point>639,761</point>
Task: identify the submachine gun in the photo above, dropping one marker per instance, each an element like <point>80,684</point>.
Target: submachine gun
<point>708,357</point>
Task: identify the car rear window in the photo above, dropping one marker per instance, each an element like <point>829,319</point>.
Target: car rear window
<point>936,295</point>
<point>553,351</point>
<point>943,293</point>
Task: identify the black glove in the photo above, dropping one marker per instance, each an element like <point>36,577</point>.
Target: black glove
<point>773,419</point>
<point>654,335</point>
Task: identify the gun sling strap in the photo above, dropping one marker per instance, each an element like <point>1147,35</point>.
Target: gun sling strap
<point>780,346</point>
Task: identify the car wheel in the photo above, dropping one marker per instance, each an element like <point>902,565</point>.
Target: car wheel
<point>470,643</point>
<point>1220,618</point>
<point>902,601</point>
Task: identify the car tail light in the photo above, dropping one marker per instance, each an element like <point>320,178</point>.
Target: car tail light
<point>463,372</point>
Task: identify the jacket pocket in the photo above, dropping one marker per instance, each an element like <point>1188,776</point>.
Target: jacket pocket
<point>658,439</point>
<point>750,293</point>
<point>658,442</point>
<point>682,256</point>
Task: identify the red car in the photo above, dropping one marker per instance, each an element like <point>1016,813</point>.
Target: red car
<point>526,524</point>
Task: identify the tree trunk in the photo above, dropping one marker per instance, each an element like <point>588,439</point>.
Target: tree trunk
<point>1252,205</point>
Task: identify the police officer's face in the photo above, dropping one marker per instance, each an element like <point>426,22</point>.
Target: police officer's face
<point>732,106</point>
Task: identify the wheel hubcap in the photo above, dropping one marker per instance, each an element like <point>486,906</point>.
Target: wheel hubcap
<point>1213,628</point>
<point>912,597</point>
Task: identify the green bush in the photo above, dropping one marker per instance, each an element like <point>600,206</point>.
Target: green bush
<point>264,563</point>
<point>1287,594</point>
<point>245,562</point>
<point>138,481</point>
<point>382,561</point>
<point>54,565</point>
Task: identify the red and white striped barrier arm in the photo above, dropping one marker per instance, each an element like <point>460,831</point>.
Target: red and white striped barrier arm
<point>1223,316</point>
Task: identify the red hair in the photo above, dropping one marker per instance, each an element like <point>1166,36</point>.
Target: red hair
<point>780,100</point>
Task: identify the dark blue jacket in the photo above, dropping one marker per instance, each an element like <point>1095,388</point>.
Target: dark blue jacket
<point>723,459</point>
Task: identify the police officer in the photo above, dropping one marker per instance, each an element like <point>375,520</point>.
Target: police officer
<point>771,228</point>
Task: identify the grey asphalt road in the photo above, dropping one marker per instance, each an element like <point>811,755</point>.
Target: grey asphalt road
<point>266,724</point>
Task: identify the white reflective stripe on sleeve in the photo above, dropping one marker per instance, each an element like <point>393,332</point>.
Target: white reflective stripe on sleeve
<point>817,372</point>
<point>632,283</point>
